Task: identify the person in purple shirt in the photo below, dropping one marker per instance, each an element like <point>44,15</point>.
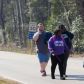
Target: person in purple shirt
<point>56,46</point>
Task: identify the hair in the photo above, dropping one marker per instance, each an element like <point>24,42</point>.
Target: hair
<point>56,31</point>
<point>62,27</point>
<point>40,24</point>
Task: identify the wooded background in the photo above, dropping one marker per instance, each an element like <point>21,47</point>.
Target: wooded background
<point>15,16</point>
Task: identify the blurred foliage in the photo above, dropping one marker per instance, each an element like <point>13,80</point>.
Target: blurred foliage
<point>18,13</point>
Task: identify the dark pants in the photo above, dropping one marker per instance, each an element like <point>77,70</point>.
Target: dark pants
<point>57,60</point>
<point>65,61</point>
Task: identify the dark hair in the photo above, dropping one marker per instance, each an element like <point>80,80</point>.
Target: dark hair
<point>56,31</point>
<point>62,27</point>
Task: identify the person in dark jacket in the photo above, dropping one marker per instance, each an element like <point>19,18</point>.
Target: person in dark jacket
<point>56,46</point>
<point>68,36</point>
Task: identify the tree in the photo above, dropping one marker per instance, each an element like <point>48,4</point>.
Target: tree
<point>4,41</point>
<point>40,10</point>
<point>80,7</point>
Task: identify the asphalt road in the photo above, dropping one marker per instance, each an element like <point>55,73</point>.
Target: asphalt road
<point>25,68</point>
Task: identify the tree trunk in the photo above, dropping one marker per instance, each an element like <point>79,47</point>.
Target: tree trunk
<point>80,7</point>
<point>22,8</point>
<point>19,22</point>
<point>4,40</point>
<point>14,24</point>
<point>65,10</point>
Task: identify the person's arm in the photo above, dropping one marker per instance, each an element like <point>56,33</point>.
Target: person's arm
<point>50,46</point>
<point>71,35</point>
<point>65,46</point>
<point>36,36</point>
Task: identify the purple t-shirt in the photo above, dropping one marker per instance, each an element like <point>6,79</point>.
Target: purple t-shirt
<point>57,45</point>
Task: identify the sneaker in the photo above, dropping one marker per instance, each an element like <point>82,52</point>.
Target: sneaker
<point>83,64</point>
<point>52,76</point>
<point>62,78</point>
<point>65,75</point>
<point>44,73</point>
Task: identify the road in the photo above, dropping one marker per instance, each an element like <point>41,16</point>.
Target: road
<point>25,68</point>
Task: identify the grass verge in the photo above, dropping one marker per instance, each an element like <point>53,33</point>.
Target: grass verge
<point>8,81</point>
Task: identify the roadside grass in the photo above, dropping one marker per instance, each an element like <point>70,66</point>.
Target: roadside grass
<point>8,81</point>
<point>29,50</point>
<point>11,48</point>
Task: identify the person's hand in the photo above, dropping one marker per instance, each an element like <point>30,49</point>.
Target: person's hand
<point>52,54</point>
<point>39,32</point>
